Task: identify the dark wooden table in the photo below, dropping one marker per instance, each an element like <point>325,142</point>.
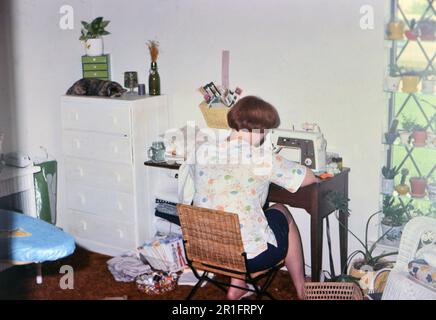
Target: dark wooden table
<point>313,199</point>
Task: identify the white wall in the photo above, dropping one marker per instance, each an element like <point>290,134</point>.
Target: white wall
<point>310,59</point>
<point>5,78</point>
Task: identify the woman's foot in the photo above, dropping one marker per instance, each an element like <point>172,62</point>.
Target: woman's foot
<point>236,293</point>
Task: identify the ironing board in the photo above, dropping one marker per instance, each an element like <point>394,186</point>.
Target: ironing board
<point>25,240</point>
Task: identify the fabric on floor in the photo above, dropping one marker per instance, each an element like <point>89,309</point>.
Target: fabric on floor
<point>93,280</point>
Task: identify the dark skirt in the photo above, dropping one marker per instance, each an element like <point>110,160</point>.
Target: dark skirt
<point>270,257</point>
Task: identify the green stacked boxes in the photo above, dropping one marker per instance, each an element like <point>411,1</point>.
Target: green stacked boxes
<point>96,67</point>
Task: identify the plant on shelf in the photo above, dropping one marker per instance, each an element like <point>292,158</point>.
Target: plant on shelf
<point>395,214</point>
<point>395,30</point>
<point>428,82</point>
<point>403,188</point>
<point>418,185</point>
<point>419,135</point>
<point>388,179</point>
<point>407,124</point>
<point>410,79</point>
<point>92,33</point>
<point>362,264</point>
<point>427,29</point>
<point>392,134</point>
<point>413,32</point>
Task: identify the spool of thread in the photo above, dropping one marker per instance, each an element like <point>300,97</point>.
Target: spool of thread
<point>141,89</point>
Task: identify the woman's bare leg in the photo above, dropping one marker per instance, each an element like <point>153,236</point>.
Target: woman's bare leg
<point>294,260</point>
<point>235,293</point>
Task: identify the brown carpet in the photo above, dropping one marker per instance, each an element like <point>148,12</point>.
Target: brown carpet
<point>93,281</point>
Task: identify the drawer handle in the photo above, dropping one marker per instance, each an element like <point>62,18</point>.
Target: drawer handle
<point>84,225</point>
<point>114,120</point>
<point>77,143</point>
<point>119,205</point>
<point>120,233</point>
<point>76,116</point>
<point>82,199</point>
<point>117,177</point>
<point>115,149</point>
<point>80,171</point>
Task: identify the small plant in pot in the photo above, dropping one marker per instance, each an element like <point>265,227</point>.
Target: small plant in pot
<point>418,186</point>
<point>362,264</point>
<point>410,79</point>
<point>407,124</point>
<point>413,32</point>
<point>392,134</point>
<point>419,136</point>
<point>395,30</point>
<point>388,179</point>
<point>92,34</point>
<point>428,82</point>
<point>394,218</point>
<point>427,29</point>
<point>403,188</point>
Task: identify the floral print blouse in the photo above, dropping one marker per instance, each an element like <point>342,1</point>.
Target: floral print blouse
<point>240,183</point>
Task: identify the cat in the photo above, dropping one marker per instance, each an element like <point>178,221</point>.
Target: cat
<point>96,87</point>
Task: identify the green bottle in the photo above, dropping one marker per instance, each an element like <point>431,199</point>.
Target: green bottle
<point>154,80</point>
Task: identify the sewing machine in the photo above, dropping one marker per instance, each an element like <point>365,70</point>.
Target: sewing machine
<point>306,147</point>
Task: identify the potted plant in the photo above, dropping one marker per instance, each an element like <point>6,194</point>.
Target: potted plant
<point>408,124</point>
<point>388,180</point>
<point>413,32</point>
<point>403,188</point>
<point>395,30</point>
<point>362,264</point>
<point>392,82</point>
<point>419,135</point>
<point>394,218</point>
<point>392,134</point>
<point>427,28</point>
<point>410,80</point>
<point>92,34</point>
<point>418,186</point>
<point>428,82</point>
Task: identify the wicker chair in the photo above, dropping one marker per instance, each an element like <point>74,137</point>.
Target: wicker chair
<point>400,285</point>
<point>332,291</point>
<point>213,243</point>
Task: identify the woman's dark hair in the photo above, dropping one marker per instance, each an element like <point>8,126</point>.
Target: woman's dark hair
<point>251,113</point>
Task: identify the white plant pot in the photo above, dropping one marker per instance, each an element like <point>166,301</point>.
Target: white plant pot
<point>387,186</point>
<point>431,140</point>
<point>404,137</point>
<point>94,47</point>
<point>428,86</point>
<point>431,188</point>
<point>393,234</point>
<point>392,84</point>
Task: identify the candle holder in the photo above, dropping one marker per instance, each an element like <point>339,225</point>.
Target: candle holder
<point>131,80</point>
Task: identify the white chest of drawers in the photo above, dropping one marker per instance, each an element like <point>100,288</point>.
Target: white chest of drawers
<point>106,202</point>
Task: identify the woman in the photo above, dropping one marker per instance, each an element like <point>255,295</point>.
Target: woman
<point>234,176</point>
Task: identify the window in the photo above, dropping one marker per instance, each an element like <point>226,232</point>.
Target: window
<point>414,55</point>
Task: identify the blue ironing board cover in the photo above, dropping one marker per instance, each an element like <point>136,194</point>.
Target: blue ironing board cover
<point>46,242</point>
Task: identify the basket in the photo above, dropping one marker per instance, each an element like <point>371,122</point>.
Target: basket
<point>156,283</point>
<point>332,291</point>
<point>215,115</point>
